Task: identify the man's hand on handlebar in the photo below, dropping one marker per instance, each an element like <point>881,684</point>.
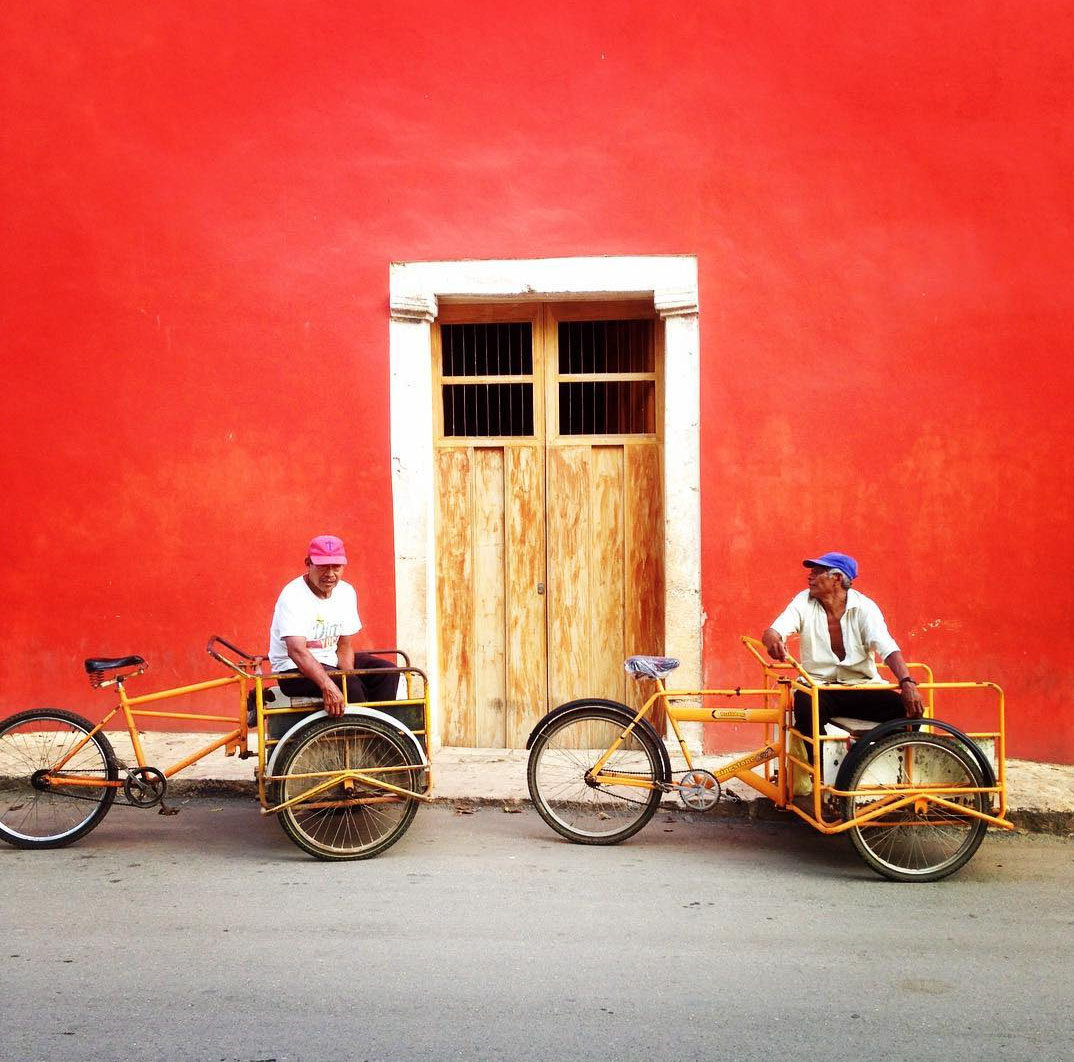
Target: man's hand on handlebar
<point>773,642</point>
<point>333,698</point>
<point>312,668</point>
<point>911,696</point>
<point>911,699</point>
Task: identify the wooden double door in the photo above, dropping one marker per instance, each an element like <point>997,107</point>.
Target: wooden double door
<point>549,509</point>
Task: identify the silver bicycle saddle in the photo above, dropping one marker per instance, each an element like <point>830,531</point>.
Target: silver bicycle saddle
<point>650,666</point>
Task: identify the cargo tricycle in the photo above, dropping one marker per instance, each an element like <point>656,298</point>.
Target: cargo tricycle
<point>915,796</point>
<point>341,787</point>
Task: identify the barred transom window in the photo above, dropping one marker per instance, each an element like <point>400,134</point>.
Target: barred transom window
<point>600,378</point>
<point>487,372</point>
<point>607,378</point>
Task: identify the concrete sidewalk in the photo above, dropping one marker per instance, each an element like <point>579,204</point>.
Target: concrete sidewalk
<point>1040,795</point>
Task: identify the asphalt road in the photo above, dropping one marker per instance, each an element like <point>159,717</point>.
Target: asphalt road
<point>208,936</point>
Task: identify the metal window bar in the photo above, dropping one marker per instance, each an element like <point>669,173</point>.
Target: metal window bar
<point>484,369</point>
<point>603,406</point>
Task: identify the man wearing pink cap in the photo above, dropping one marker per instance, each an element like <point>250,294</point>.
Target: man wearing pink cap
<point>316,616</point>
<point>840,631</point>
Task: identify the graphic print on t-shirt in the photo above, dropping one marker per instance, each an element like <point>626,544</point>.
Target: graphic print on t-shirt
<point>325,634</point>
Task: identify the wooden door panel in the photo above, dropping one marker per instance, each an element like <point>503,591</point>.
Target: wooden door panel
<point>605,558</point>
<point>605,567</point>
<point>644,552</point>
<point>526,670</point>
<point>455,594</point>
<point>603,546</point>
<point>490,611</point>
<point>490,562</point>
<point>568,531</point>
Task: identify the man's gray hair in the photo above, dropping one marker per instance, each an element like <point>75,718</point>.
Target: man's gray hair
<point>844,579</point>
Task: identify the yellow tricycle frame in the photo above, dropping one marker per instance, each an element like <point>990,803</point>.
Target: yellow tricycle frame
<point>966,788</point>
<point>337,790</point>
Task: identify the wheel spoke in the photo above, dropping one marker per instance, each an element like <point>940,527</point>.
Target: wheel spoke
<point>922,840</point>
<point>580,806</point>
<point>35,813</point>
<point>351,819</point>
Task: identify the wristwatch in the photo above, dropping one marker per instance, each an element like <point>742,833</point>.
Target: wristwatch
<point>904,681</point>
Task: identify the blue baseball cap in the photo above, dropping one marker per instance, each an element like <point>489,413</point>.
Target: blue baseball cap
<point>840,561</point>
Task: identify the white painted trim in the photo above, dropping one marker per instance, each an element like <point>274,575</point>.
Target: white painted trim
<point>416,290</point>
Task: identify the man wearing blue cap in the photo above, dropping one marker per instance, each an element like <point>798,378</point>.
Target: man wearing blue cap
<point>840,630</point>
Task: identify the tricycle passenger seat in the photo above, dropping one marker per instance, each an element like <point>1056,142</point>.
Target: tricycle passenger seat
<point>853,727</point>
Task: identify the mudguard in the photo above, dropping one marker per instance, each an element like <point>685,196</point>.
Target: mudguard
<point>883,730</point>
<point>404,732</point>
<point>627,715</point>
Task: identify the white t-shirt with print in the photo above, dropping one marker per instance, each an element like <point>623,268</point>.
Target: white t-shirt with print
<point>300,613</point>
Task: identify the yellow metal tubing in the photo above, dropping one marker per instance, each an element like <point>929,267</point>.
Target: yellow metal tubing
<point>179,691</point>
<point>611,778</point>
<point>681,713</point>
<point>758,782</point>
<point>726,715</point>
<point>789,677</point>
<point>628,729</point>
<point>184,715</point>
<point>336,779</point>
<point>132,729</point>
<point>683,748</point>
<point>84,742</point>
<point>882,809</point>
<point>81,781</point>
<point>324,774</point>
<point>893,800</point>
<point>349,802</point>
<point>195,756</point>
<point>745,764</point>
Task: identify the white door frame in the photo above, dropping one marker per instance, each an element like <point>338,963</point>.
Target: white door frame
<point>416,290</point>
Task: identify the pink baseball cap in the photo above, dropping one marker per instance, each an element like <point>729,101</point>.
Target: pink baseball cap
<point>327,549</point>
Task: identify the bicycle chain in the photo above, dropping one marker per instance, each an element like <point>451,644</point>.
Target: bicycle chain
<point>665,787</point>
<point>662,787</point>
<point>72,796</point>
<point>120,767</point>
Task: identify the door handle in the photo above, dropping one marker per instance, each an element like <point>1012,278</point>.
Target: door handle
<point>540,588</point>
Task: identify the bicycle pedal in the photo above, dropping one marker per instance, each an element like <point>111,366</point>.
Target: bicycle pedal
<point>165,810</point>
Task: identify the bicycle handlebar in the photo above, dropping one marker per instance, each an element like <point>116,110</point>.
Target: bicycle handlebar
<point>248,658</point>
<point>789,663</point>
<point>253,661</point>
<point>390,652</point>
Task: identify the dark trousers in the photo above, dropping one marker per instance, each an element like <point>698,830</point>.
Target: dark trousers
<point>359,687</point>
<point>875,705</point>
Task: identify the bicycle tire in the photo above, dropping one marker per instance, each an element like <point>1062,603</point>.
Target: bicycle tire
<point>922,841</point>
<point>34,814</point>
<point>560,759</point>
<point>352,820</point>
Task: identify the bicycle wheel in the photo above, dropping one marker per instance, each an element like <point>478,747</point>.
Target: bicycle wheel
<point>35,813</point>
<point>352,819</point>
<point>923,840</point>
<point>566,797</point>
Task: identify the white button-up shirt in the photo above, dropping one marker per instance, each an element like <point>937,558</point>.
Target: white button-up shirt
<point>864,631</point>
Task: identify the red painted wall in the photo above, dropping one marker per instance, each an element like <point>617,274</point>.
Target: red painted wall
<point>200,203</point>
